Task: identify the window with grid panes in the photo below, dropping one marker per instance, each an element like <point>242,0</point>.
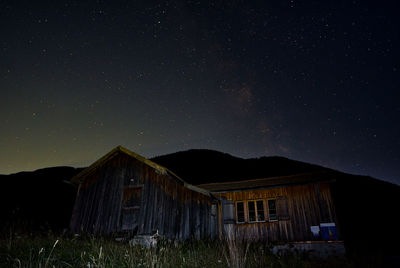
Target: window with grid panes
<point>240,212</point>
<point>272,210</point>
<point>256,210</point>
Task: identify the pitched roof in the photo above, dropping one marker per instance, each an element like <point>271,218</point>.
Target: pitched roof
<point>119,149</point>
<point>272,182</point>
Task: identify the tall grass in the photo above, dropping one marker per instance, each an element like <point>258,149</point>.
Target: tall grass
<point>47,251</point>
<point>235,248</point>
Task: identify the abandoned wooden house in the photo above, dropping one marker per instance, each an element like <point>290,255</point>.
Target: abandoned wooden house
<point>289,208</point>
<point>124,192</point>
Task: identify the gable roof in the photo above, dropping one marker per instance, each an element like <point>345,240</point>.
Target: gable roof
<point>119,149</point>
<point>271,182</point>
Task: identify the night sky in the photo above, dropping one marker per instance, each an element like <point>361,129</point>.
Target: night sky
<point>308,80</point>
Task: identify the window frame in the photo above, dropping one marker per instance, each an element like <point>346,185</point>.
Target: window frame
<point>255,210</point>
<point>244,212</point>
<point>128,210</point>
<point>265,210</point>
<point>276,210</point>
<point>126,189</point>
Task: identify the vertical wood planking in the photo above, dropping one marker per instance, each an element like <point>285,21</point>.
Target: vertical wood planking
<point>303,206</point>
<point>166,205</point>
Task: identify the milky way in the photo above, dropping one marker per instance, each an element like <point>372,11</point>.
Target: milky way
<point>308,80</point>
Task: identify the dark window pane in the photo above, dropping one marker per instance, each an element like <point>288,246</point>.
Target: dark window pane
<point>252,211</point>
<point>272,209</point>
<point>271,204</point>
<point>240,211</point>
<point>260,210</point>
<point>272,216</point>
<point>131,201</point>
<point>132,197</point>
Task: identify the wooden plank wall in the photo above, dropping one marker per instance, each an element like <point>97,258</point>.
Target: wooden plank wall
<point>98,204</point>
<point>307,206</point>
<point>175,211</point>
<point>166,206</point>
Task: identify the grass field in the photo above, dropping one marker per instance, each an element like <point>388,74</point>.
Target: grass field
<point>50,250</point>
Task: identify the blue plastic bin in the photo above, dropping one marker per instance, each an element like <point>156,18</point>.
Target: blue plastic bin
<point>328,231</point>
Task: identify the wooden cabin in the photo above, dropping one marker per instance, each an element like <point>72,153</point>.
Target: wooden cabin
<point>125,193</point>
<point>279,209</point>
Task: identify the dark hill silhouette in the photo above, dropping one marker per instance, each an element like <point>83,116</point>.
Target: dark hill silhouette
<point>37,199</point>
<point>204,166</point>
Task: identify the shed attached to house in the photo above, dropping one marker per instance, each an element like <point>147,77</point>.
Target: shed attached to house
<point>125,192</point>
<point>278,209</point>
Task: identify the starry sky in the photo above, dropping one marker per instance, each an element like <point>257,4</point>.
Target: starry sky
<point>315,81</point>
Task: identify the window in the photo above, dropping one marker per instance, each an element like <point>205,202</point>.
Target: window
<point>132,197</point>
<point>260,210</point>
<point>272,210</point>
<point>240,212</point>
<point>253,211</point>
<point>256,210</point>
<point>131,200</point>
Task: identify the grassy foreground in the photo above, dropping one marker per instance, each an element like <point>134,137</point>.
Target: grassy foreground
<point>63,251</point>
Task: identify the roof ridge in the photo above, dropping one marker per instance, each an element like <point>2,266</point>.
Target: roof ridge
<point>163,170</point>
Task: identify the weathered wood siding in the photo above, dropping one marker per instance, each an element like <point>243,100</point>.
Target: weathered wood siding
<point>166,205</point>
<point>307,205</point>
